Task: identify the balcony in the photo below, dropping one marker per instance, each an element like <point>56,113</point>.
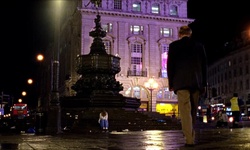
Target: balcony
<point>137,73</point>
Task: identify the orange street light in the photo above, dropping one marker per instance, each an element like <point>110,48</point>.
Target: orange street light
<point>30,81</point>
<point>24,93</point>
<point>40,57</point>
<point>151,85</point>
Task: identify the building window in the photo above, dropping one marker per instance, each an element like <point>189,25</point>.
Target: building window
<point>136,6</point>
<point>166,32</point>
<point>136,92</point>
<point>235,72</point>
<point>107,46</point>
<point>107,27</point>
<point>165,95</point>
<point>234,62</point>
<point>247,69</point>
<point>229,74</point>
<point>155,9</point>
<point>164,58</point>
<point>173,10</point>
<point>241,85</point>
<point>136,58</point>
<point>240,59</point>
<point>246,57</point>
<point>100,5</point>
<point>240,71</point>
<point>235,86</point>
<point>247,84</point>
<point>118,4</point>
<point>135,29</point>
<point>226,89</point>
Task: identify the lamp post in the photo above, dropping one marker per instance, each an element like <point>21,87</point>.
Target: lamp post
<point>151,85</point>
<point>54,117</point>
<point>40,59</point>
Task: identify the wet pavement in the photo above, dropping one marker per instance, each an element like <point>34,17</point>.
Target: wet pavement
<point>210,138</point>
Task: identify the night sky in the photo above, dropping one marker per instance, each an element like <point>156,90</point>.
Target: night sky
<point>26,30</point>
<point>217,23</point>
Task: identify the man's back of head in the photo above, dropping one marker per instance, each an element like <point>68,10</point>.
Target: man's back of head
<point>185,31</point>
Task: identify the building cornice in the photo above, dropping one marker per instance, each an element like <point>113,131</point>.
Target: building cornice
<point>134,15</point>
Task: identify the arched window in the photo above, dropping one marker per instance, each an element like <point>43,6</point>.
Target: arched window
<point>137,92</point>
<point>165,95</point>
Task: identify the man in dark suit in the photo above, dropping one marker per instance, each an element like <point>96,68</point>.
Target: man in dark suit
<point>187,77</point>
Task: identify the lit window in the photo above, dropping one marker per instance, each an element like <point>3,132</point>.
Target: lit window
<point>135,29</point>
<point>173,10</point>
<point>164,58</point>
<point>107,46</point>
<point>136,58</point>
<point>155,9</point>
<point>165,94</point>
<point>107,27</point>
<point>137,92</point>
<point>166,32</point>
<point>137,6</point>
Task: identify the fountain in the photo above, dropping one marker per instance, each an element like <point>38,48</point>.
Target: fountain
<point>97,88</point>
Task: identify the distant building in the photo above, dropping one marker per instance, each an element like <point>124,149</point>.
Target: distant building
<point>231,73</point>
<point>139,32</point>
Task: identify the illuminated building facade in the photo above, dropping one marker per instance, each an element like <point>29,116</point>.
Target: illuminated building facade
<point>139,32</point>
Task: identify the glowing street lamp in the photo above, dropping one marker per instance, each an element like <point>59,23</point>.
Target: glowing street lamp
<point>30,81</point>
<point>151,85</point>
<point>40,57</point>
<point>20,100</point>
<point>24,93</point>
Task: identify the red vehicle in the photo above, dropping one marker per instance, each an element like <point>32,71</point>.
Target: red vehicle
<point>19,111</point>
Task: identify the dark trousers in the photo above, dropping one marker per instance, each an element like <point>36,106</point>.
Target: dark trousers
<point>236,116</point>
<point>221,124</point>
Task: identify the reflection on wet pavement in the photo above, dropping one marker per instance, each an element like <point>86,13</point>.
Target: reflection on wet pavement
<point>218,139</point>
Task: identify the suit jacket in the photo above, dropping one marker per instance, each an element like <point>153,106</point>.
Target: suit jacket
<point>187,65</point>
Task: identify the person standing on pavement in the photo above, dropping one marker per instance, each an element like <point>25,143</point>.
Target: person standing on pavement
<point>187,77</point>
<point>235,110</point>
<point>103,120</point>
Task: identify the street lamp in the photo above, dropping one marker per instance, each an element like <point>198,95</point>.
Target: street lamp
<point>39,57</point>
<point>151,84</point>
<point>30,81</point>
<point>24,93</point>
<point>54,118</point>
